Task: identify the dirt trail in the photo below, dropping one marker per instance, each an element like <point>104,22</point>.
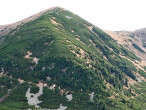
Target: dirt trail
<point>5,96</point>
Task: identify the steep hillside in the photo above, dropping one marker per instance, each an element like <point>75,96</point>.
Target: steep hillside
<point>60,61</point>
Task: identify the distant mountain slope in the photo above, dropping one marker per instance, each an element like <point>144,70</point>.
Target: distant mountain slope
<point>130,41</point>
<point>59,61</point>
<point>141,34</point>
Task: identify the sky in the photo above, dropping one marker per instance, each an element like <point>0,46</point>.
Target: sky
<point>111,15</point>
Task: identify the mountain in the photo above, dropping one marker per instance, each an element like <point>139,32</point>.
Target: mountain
<point>59,61</point>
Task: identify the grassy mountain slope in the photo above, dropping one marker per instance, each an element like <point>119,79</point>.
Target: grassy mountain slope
<point>60,48</point>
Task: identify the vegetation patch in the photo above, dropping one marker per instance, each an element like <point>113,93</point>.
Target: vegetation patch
<point>137,47</point>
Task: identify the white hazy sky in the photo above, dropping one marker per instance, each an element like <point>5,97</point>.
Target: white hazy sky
<point>106,14</point>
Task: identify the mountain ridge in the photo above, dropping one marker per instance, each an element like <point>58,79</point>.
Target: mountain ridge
<point>5,29</point>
